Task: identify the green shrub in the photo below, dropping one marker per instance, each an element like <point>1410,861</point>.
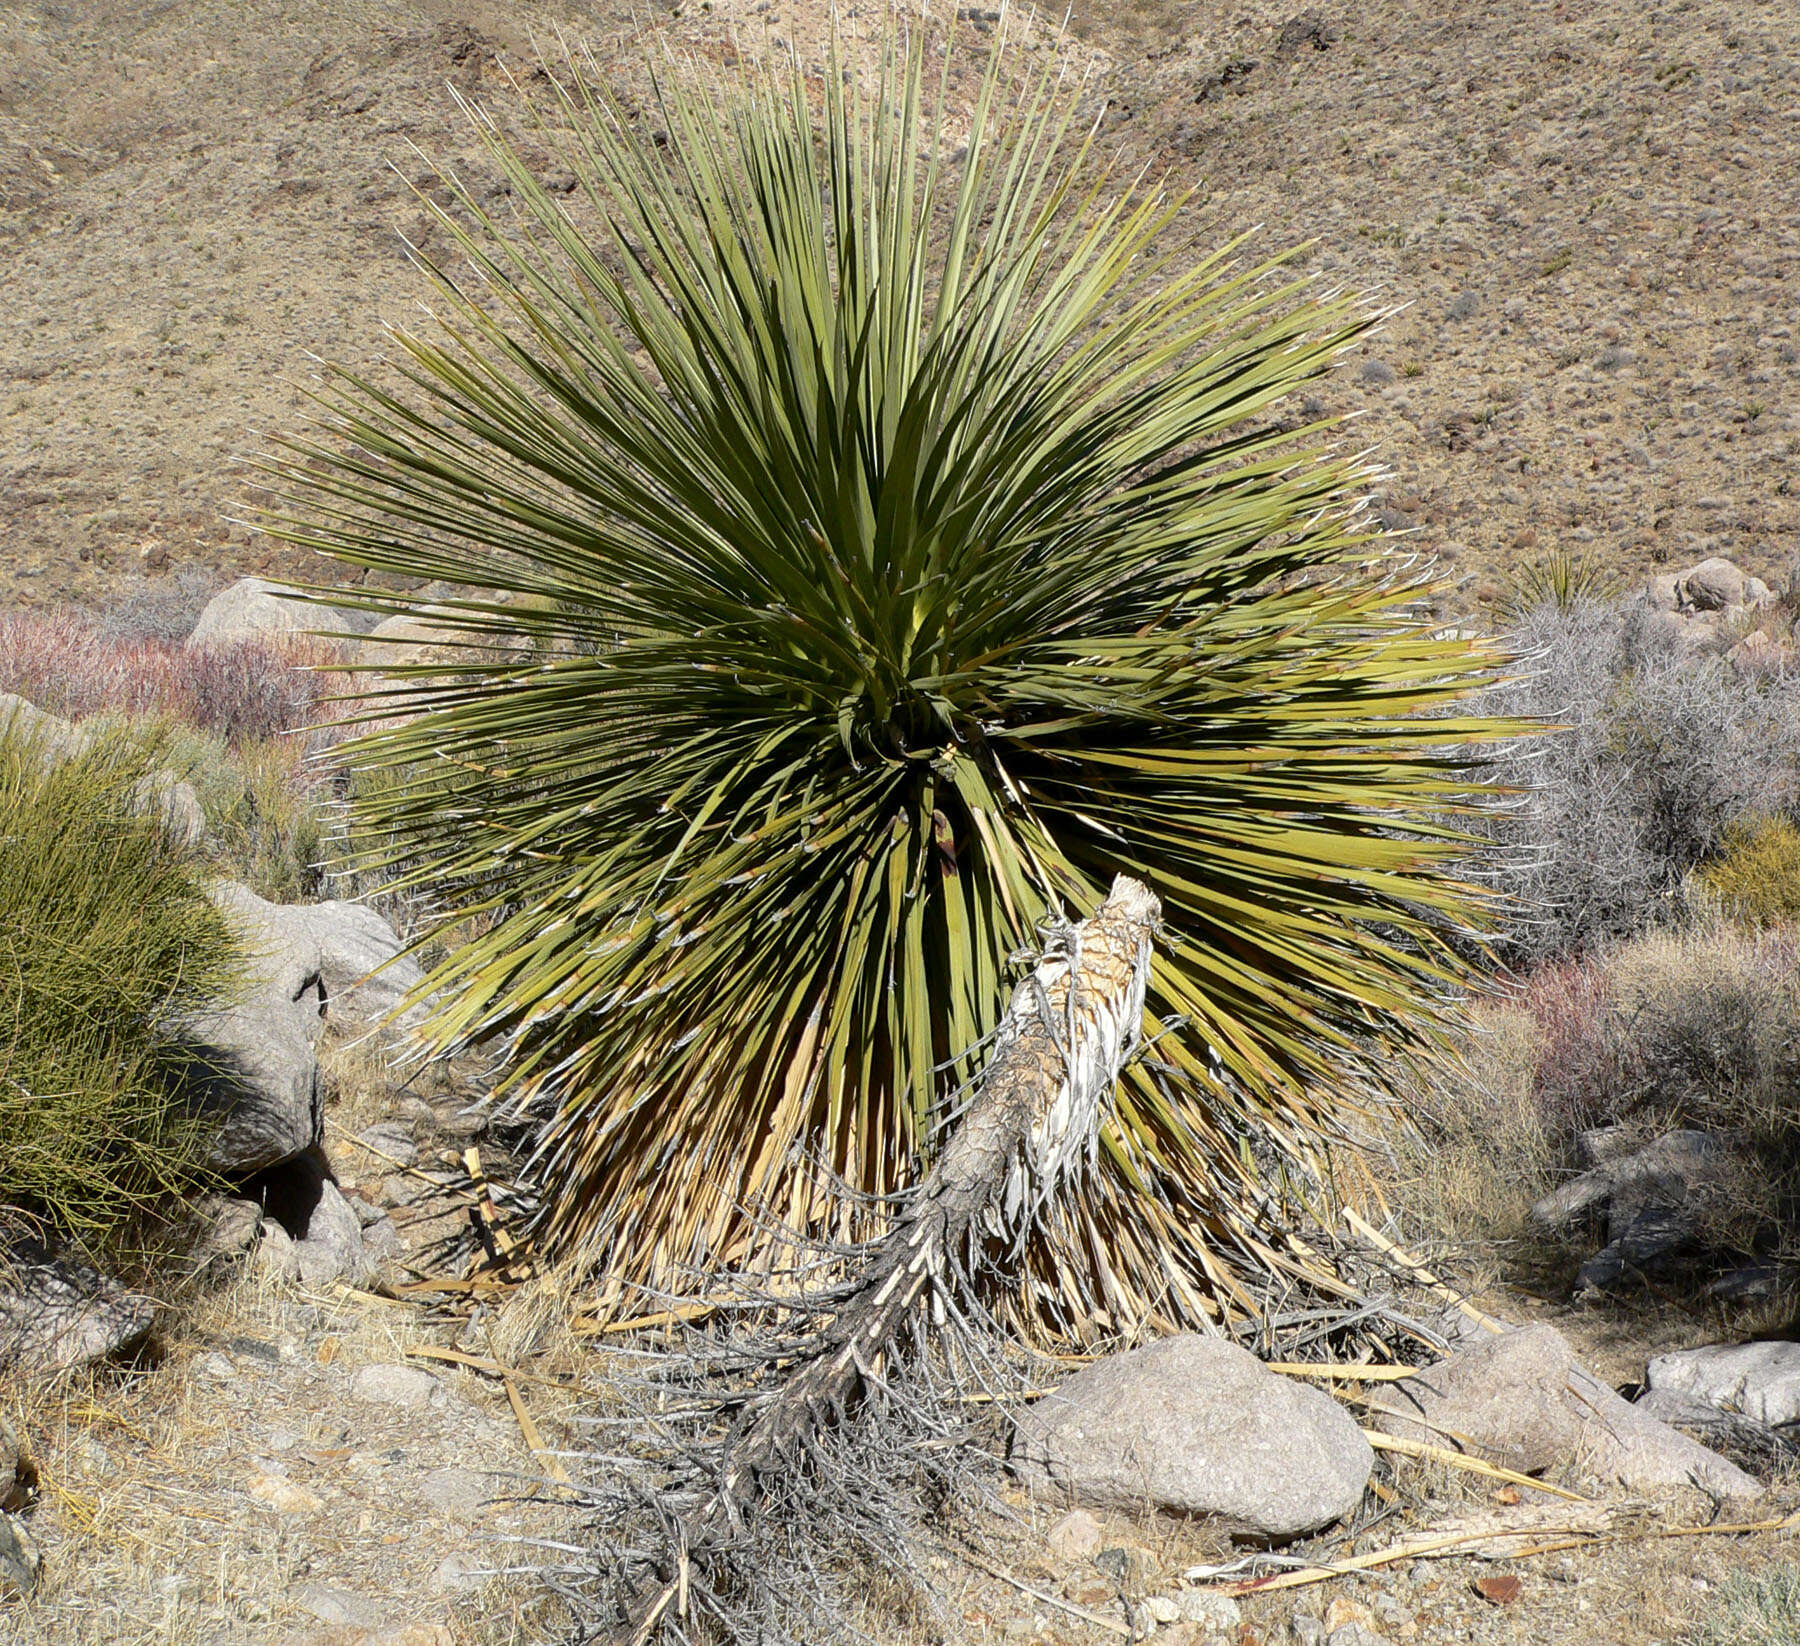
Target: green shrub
<point>1757,876</point>
<point>273,817</point>
<point>107,939</point>
<point>1753,1609</point>
<point>266,816</point>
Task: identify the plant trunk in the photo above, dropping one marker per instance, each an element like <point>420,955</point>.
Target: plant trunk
<point>1071,1028</point>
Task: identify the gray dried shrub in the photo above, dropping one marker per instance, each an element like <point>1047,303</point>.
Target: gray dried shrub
<point>1652,752</point>
<point>156,608</point>
<point>858,1540</point>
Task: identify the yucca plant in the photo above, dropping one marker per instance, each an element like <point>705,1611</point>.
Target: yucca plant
<point>1561,581</point>
<point>896,540</point>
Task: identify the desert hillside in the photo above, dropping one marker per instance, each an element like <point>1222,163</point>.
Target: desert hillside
<point>1582,215</point>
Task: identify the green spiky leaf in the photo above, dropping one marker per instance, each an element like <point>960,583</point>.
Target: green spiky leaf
<point>868,548</point>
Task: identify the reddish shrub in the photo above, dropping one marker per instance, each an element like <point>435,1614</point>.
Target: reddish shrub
<point>243,691</point>
<point>1578,1072</point>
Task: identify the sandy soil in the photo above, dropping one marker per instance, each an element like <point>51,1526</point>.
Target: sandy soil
<point>1581,212</point>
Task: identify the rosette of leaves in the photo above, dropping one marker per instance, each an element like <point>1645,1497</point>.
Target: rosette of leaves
<point>868,543</point>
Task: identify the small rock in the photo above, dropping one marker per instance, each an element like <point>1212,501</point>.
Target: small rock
<point>1162,1609</point>
<point>1521,1400</point>
<point>254,608</point>
<point>332,1248</point>
<point>340,1606</point>
<point>459,1574</point>
<point>1500,1590</point>
<point>1307,1630</point>
<point>1599,1144</point>
<point>276,1258</point>
<point>1305,32</point>
<point>413,1634</point>
<point>1712,586</point>
<point>21,1560</point>
<point>458,1493</point>
<point>394,1385</point>
<point>1198,1426</point>
<point>258,1055</point>
<point>1356,1634</point>
<point>216,1366</point>
<point>58,1312</point>
<point>1759,1381</point>
<point>1074,1538</point>
<point>1645,1245</point>
<point>284,1496</point>
<point>1759,653</point>
<point>1750,1282</point>
<point>1664,1173</point>
<point>230,1225</point>
<point>393,1140</point>
<point>1130,1565</point>
<point>382,1240</point>
<point>1649,1196</point>
<point>1215,1612</point>
<point>1342,1611</point>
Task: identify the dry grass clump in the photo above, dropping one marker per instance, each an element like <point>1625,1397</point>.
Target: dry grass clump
<point>1753,1609</point>
<point>1705,1023</point>
<point>1480,1147</point>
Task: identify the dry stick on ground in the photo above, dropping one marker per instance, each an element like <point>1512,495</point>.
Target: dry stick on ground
<point>1420,1273</point>
<point>1454,1543</point>
<point>1072,1026</point>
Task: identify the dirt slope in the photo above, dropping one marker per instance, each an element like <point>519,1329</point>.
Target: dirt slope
<point>1583,211</point>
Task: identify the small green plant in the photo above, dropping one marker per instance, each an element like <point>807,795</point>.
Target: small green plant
<point>1757,876</point>
<point>1752,1609</point>
<point>1560,580</point>
<point>267,825</point>
<point>107,942</point>
<point>1557,261</point>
